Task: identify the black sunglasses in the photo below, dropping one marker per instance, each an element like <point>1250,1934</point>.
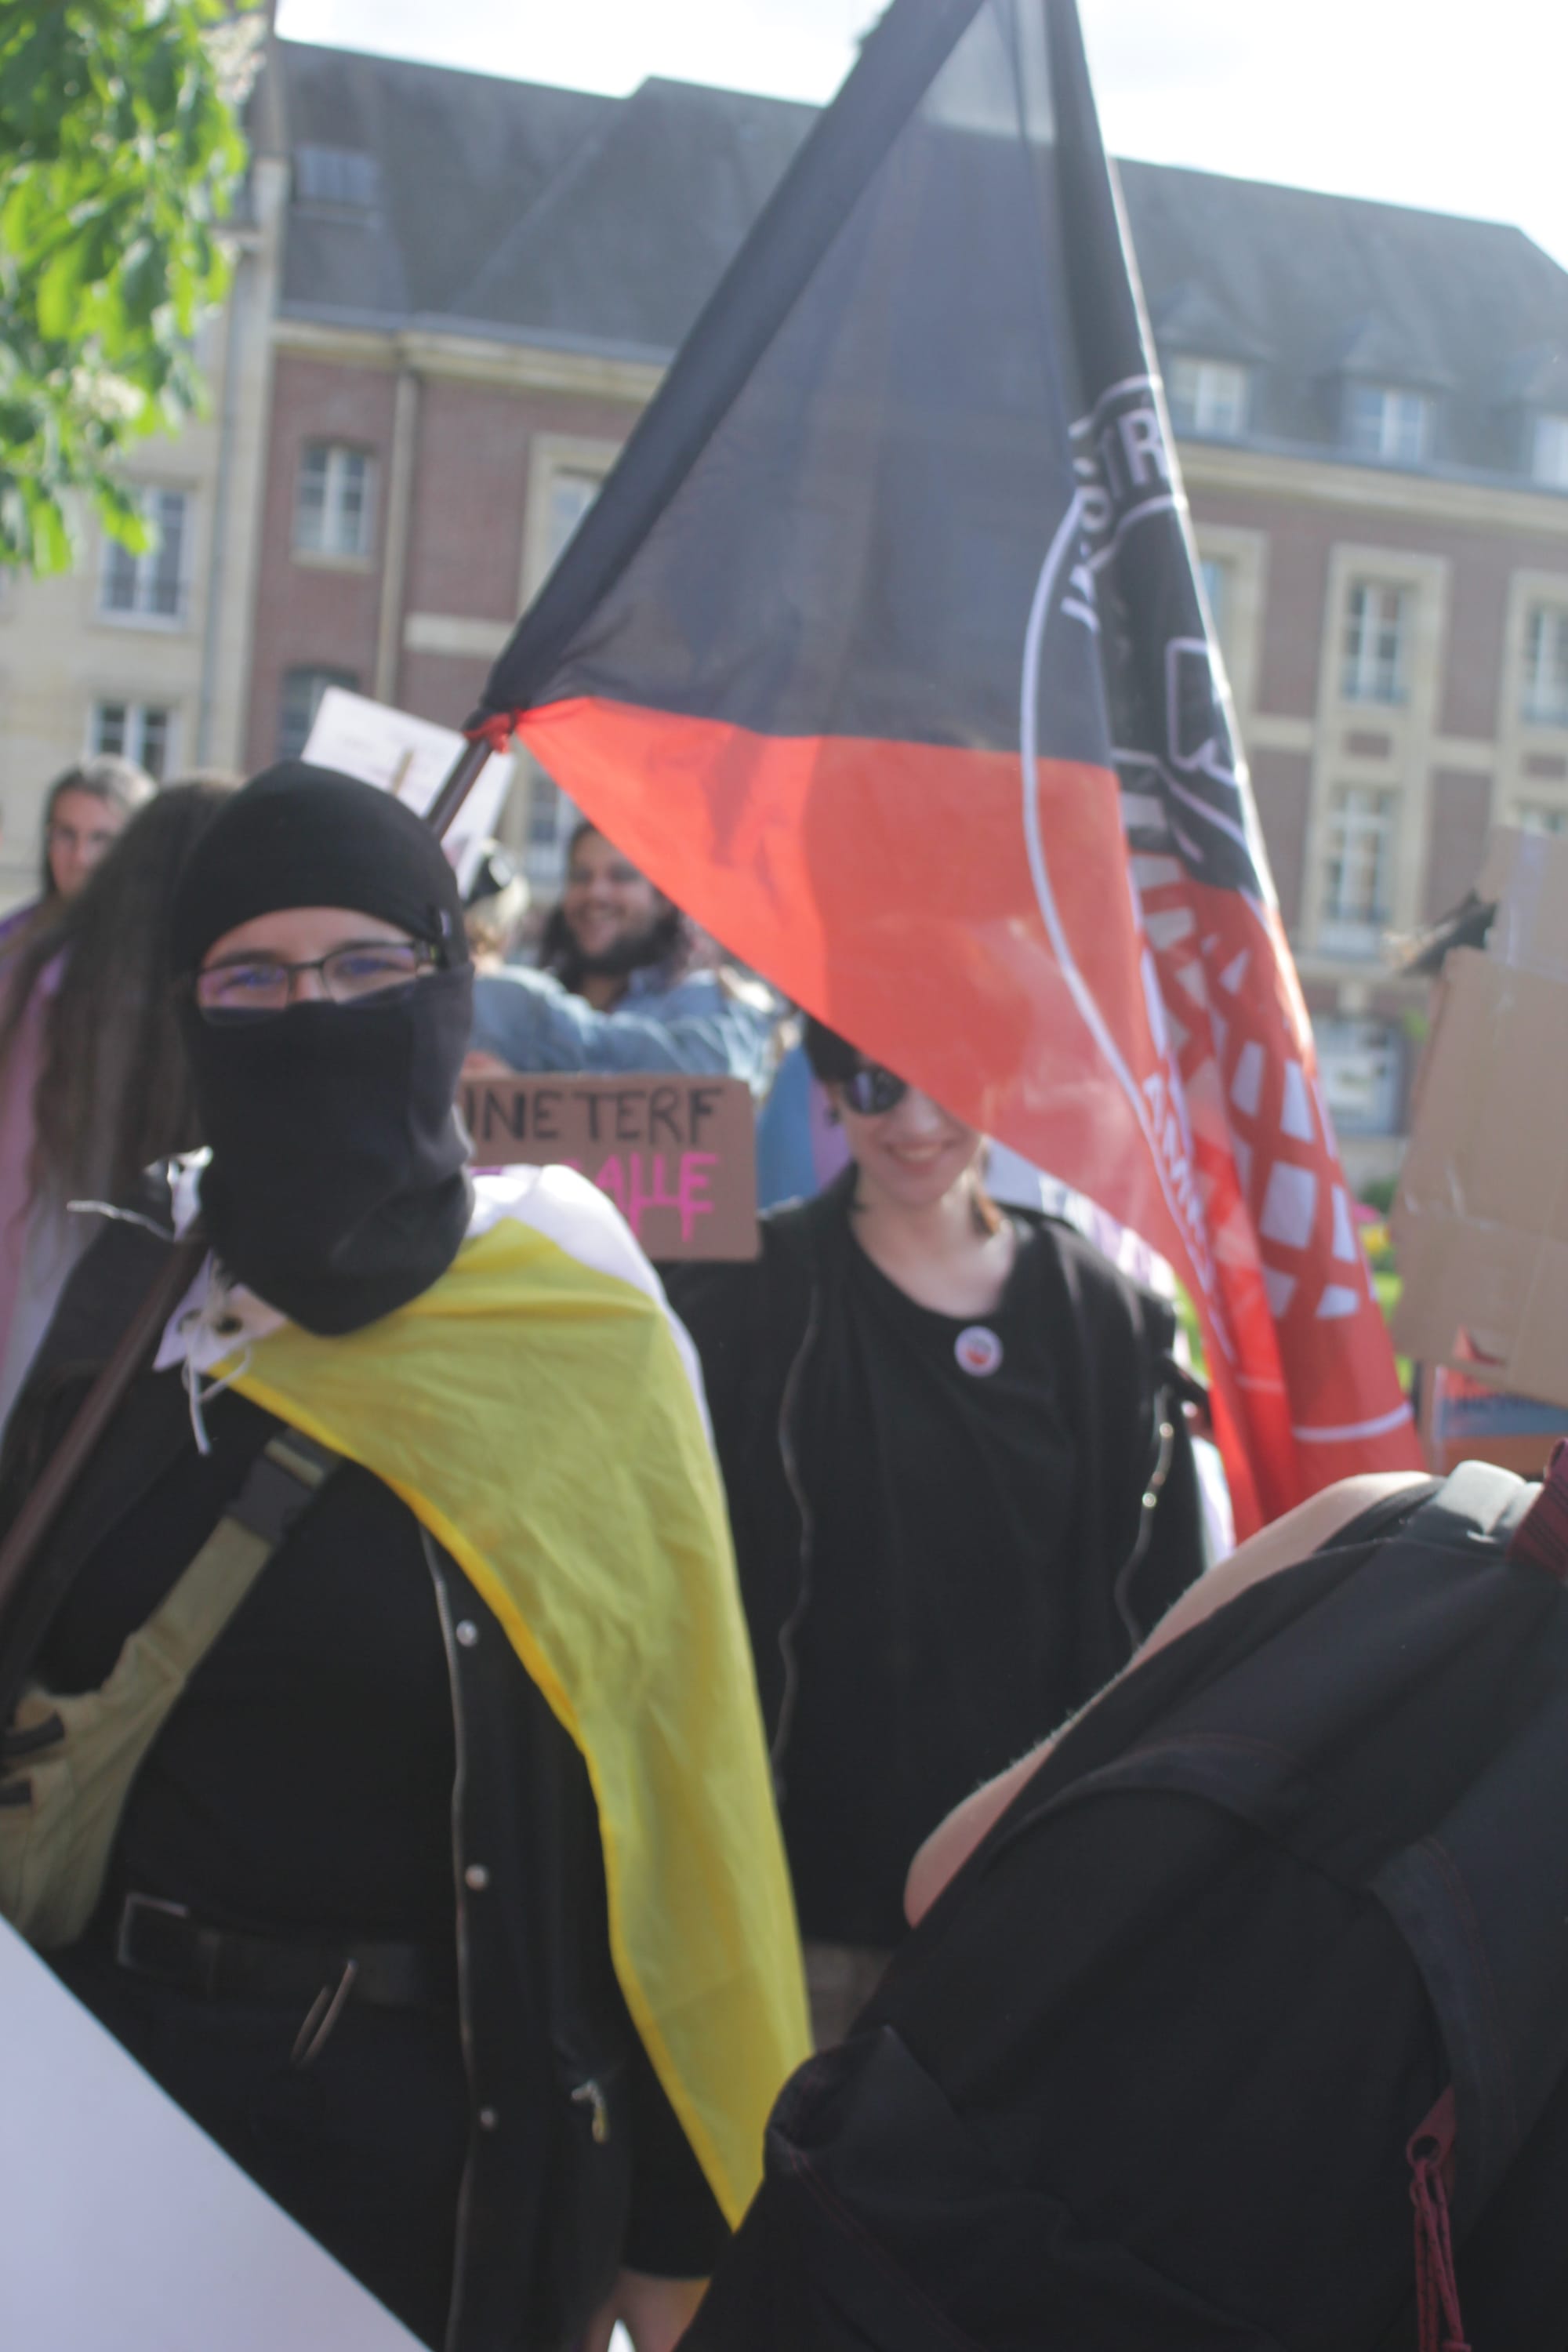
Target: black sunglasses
<point>872,1090</point>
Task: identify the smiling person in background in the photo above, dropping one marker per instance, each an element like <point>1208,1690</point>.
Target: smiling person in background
<point>961,1487</point>
<point>621,987</point>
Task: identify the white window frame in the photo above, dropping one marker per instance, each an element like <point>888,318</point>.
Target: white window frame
<point>1359,863</point>
<point>133,732</point>
<point>319,532</point>
<point>145,574</point>
<point>1549,451</point>
<point>1543,692</point>
<point>1209,397</point>
<point>1399,433</point>
<point>1375,645</point>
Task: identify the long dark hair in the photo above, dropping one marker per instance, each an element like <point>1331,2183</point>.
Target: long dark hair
<point>112,1091</point>
<point>671,942</point>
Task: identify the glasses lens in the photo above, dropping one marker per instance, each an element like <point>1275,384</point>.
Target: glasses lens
<point>872,1090</point>
<point>354,973</point>
<point>238,991</point>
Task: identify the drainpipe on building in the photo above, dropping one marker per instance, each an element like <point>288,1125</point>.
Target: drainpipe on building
<point>399,509</point>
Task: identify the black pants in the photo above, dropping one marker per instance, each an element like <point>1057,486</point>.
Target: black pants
<point>365,2147</point>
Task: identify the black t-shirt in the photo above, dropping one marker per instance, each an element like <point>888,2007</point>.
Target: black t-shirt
<point>303,1783</point>
<point>937,1454</point>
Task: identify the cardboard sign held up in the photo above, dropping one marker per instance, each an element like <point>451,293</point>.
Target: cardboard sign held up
<point>1481,1218</point>
<point>676,1154</point>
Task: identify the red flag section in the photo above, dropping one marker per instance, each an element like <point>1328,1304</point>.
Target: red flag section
<point>882,653</point>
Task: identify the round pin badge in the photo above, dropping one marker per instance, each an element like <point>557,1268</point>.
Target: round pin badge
<point>978,1350</point>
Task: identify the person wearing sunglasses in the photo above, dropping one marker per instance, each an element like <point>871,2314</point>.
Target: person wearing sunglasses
<point>354,1909</point>
<point>961,1487</point>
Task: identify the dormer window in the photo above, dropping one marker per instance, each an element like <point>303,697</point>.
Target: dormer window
<point>1209,397</point>
<point>1389,423</point>
<point>342,177</point>
<point>1549,465</point>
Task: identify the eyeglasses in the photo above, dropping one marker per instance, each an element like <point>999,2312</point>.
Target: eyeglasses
<point>872,1090</point>
<point>252,988</point>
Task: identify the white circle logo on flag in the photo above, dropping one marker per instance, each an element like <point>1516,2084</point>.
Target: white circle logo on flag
<point>978,1350</point>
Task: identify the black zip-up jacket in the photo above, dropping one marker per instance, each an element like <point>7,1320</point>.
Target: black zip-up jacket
<point>576,2163</point>
<point>1136,1538</point>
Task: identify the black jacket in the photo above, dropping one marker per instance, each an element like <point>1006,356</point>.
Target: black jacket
<point>1137,1536</point>
<point>576,2162</point>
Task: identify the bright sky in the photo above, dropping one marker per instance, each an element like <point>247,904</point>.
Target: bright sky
<point>1433,102</point>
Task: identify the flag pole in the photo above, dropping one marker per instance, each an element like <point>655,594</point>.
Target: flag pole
<point>460,781</point>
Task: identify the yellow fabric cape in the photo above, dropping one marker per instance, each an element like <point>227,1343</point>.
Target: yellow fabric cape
<point>535,1415</point>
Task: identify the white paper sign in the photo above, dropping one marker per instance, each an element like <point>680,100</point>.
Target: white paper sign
<point>410,757</point>
<point>124,2228</point>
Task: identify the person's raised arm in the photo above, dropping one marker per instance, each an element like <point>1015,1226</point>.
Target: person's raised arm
<point>527,1020</point>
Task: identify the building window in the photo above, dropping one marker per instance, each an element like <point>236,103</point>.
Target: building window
<point>1545,699</point>
<point>1540,816</point>
<point>1376,629</point>
<point>1360,868</point>
<point>150,586</point>
<point>345,177</point>
<point>332,501</point>
<point>302,692</point>
<point>1208,396</point>
<point>1383,422</point>
<point>1551,453</point>
<point>1359,1064</point>
<point>142,731</point>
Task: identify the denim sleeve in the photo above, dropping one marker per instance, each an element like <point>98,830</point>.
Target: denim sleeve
<point>531,1023</point>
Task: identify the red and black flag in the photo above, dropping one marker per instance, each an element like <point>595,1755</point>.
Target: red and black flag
<point>882,653</point>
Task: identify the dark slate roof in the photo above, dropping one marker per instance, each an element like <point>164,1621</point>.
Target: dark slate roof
<point>503,208</point>
<point>1331,288</point>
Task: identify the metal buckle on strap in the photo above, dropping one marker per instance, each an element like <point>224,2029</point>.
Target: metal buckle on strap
<point>197,1952</point>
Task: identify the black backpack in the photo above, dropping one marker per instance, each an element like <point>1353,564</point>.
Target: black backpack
<point>1245,2028</point>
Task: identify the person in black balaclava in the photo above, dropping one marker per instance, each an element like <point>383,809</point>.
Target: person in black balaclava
<point>423,2056</point>
<point>337,1187</point>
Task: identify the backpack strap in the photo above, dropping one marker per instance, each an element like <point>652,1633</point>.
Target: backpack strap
<point>1541,1537</point>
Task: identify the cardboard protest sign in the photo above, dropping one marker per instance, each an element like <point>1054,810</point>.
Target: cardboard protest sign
<point>1481,1218</point>
<point>408,757</point>
<point>127,2230</point>
<point>676,1154</point>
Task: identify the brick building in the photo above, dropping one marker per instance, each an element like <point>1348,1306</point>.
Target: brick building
<point>476,284</point>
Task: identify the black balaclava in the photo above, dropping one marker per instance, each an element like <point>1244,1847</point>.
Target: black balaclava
<point>336,1189</point>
